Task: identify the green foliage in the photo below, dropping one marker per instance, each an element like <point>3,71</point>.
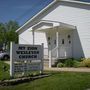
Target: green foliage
<point>4,72</point>
<point>85,63</point>
<point>57,81</point>
<point>76,63</point>
<point>69,63</point>
<point>12,26</point>
<point>2,33</point>
<point>60,64</point>
<point>7,32</point>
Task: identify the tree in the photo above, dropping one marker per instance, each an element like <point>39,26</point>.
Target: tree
<point>2,34</point>
<point>7,32</point>
<point>12,26</point>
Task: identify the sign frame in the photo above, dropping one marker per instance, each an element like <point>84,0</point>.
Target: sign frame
<point>14,56</point>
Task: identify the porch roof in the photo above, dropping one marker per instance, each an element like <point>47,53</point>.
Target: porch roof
<point>45,25</point>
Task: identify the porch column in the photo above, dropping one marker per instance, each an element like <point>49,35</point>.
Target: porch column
<point>50,58</point>
<point>57,43</point>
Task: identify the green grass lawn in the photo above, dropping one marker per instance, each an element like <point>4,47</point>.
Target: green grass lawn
<point>4,74</point>
<point>57,81</point>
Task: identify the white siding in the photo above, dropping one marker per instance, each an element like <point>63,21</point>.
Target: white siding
<point>40,38</point>
<point>72,15</point>
<point>81,19</point>
<point>27,38</point>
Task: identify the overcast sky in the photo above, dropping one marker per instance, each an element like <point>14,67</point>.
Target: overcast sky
<point>21,10</point>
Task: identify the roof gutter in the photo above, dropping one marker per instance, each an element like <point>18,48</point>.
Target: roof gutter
<point>29,22</point>
<point>75,1</point>
<point>36,15</point>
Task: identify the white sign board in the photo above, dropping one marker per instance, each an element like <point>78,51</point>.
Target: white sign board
<point>23,67</point>
<point>25,58</point>
<point>27,52</point>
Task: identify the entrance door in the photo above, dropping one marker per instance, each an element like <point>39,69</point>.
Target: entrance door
<point>65,45</point>
<point>51,38</point>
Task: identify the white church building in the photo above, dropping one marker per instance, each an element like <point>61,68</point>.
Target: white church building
<point>64,28</point>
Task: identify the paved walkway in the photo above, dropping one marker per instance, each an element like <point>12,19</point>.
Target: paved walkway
<point>64,69</point>
<point>8,62</point>
<point>69,69</point>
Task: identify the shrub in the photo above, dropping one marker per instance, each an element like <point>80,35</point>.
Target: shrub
<point>82,59</point>
<point>69,63</point>
<point>76,63</point>
<point>60,65</point>
<point>85,63</point>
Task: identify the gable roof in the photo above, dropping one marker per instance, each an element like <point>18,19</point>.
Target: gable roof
<point>33,20</point>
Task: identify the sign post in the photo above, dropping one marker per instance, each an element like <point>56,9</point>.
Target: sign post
<point>42,59</point>
<point>25,58</point>
<point>11,61</point>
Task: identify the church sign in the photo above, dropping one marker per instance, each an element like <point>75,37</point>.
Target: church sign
<point>25,58</point>
<point>27,52</point>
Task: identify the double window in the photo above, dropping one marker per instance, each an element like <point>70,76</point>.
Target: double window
<point>69,39</point>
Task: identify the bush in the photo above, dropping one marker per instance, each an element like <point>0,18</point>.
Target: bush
<point>85,63</point>
<point>60,65</point>
<point>81,59</point>
<point>76,63</point>
<point>69,63</point>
